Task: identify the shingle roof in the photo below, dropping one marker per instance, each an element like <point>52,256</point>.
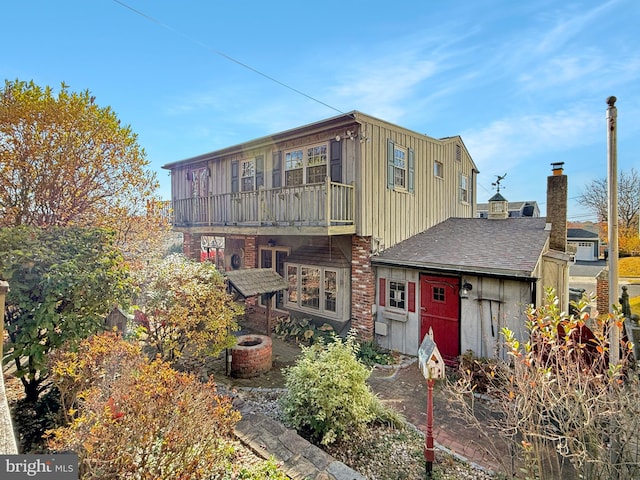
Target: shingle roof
<point>506,247</point>
<point>580,233</point>
<point>256,281</point>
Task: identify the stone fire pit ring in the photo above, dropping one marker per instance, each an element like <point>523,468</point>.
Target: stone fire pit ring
<point>251,356</point>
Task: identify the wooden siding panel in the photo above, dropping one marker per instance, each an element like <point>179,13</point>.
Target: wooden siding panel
<point>396,215</point>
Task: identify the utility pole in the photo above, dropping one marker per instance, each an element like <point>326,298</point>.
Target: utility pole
<point>612,223</point>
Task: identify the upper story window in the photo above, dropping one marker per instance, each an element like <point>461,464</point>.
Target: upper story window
<point>248,175</point>
<point>306,165</point>
<point>458,153</point>
<point>438,169</point>
<point>200,182</point>
<point>400,168</point>
<point>464,188</point>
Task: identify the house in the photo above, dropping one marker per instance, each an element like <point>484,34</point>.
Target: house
<point>317,202</point>
<point>516,209</point>
<point>467,278</point>
<point>585,243</point>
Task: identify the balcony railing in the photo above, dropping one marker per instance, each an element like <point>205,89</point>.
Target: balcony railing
<point>318,204</point>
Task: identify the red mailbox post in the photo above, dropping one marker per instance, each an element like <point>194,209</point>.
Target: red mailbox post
<point>432,368</point>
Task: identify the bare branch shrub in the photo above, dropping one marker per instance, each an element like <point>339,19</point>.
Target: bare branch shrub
<point>561,409</point>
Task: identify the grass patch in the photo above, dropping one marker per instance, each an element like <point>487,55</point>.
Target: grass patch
<point>629,267</point>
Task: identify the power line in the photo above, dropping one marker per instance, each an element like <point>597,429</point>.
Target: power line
<point>224,55</point>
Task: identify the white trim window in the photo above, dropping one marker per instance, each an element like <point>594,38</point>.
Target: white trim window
<point>399,167</point>
<point>314,289</point>
<point>247,175</point>
<point>464,188</point>
<point>438,169</point>
<point>306,165</point>
<point>397,295</point>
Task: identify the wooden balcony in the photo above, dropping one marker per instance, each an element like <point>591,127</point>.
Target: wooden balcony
<point>325,205</point>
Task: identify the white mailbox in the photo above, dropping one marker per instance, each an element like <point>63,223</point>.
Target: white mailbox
<point>429,358</point>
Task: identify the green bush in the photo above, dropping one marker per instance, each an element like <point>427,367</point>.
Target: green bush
<point>302,330</point>
<point>371,354</point>
<point>327,395</point>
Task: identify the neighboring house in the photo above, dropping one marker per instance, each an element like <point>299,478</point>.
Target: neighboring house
<point>516,209</point>
<point>467,278</point>
<point>316,202</point>
<point>585,243</point>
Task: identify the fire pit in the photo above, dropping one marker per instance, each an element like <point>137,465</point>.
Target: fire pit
<point>251,356</point>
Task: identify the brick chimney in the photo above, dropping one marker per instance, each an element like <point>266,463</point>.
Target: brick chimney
<point>557,188</point>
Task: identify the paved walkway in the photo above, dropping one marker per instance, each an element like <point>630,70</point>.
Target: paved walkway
<point>402,387</point>
<point>405,389</point>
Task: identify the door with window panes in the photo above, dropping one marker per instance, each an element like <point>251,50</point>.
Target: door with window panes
<point>274,258</point>
<point>439,310</point>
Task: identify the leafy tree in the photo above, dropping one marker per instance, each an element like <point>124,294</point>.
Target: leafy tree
<point>63,283</point>
<point>560,406</point>
<point>186,304</point>
<point>66,161</point>
<point>596,198</point>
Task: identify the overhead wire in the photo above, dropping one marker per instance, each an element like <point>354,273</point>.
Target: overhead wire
<point>224,55</point>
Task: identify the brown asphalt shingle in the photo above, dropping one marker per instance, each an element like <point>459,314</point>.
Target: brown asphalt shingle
<point>510,247</point>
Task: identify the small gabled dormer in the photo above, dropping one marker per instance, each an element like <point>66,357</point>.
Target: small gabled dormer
<point>498,207</point>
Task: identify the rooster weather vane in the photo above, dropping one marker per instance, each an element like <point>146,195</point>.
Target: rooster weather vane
<point>497,182</point>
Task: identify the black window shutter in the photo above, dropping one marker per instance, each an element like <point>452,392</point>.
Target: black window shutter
<point>390,170</point>
<point>411,171</point>
<point>335,163</point>
<point>235,171</point>
<point>276,173</point>
<point>259,171</point>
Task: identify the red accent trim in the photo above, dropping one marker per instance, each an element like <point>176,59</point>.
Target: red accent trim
<point>382,298</point>
<point>412,296</point>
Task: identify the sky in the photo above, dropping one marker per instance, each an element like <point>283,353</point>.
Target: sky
<point>524,83</point>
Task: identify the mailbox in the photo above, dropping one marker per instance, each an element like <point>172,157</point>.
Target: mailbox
<point>429,358</point>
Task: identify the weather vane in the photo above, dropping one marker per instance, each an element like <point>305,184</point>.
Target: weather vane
<point>497,182</point>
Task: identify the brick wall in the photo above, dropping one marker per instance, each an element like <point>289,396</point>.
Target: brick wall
<point>191,246</point>
<point>602,291</point>
<point>250,252</point>
<point>362,287</point>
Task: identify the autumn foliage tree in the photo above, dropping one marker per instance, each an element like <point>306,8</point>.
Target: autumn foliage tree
<point>66,161</point>
<point>186,304</point>
<point>131,418</point>
<point>63,283</point>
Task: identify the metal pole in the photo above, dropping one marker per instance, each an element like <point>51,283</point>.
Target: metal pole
<point>612,223</point>
<point>429,453</point>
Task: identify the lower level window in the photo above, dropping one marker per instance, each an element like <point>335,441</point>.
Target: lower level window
<point>397,295</point>
<point>313,288</point>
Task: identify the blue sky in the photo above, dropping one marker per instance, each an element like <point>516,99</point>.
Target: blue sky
<point>524,83</point>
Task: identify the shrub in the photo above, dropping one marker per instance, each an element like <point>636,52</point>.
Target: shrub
<point>144,421</point>
<point>370,354</point>
<point>303,330</point>
<point>563,408</point>
<point>328,397</point>
<point>187,305</point>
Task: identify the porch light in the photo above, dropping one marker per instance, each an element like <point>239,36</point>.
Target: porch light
<point>466,288</point>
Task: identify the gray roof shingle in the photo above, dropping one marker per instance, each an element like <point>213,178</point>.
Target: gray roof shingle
<point>256,281</point>
<point>506,247</point>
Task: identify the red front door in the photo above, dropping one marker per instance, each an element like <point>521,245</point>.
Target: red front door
<point>439,307</point>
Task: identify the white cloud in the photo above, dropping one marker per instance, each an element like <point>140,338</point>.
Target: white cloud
<point>511,141</point>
